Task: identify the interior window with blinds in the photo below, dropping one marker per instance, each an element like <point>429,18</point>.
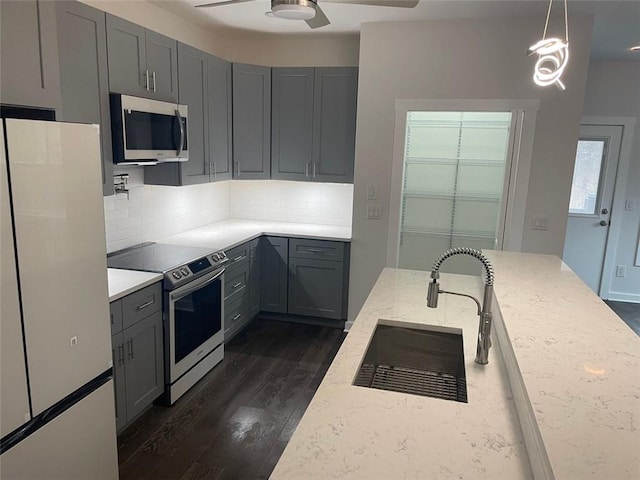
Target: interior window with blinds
<point>454,172</point>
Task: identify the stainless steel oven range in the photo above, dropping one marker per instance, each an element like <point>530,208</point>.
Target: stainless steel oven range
<point>193,307</point>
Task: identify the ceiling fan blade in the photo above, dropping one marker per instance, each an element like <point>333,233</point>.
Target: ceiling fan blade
<point>225,2</point>
<point>378,3</point>
<point>320,20</point>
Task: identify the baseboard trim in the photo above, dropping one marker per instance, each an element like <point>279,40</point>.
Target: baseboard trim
<point>285,317</point>
<point>623,297</point>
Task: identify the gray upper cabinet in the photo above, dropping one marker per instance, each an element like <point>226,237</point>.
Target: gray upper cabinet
<point>334,124</point>
<point>251,121</point>
<point>291,123</point>
<point>141,62</point>
<point>84,82</point>
<point>205,88</point>
<point>29,72</point>
<point>220,129</point>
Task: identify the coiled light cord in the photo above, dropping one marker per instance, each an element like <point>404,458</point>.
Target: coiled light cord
<point>553,54</point>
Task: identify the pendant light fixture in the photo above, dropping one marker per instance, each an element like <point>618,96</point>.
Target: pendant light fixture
<point>553,54</point>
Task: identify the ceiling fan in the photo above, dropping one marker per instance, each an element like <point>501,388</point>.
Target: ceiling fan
<point>309,10</point>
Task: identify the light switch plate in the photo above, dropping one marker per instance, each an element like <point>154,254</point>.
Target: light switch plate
<point>374,212</point>
<point>540,222</point>
<point>630,204</point>
<point>372,192</point>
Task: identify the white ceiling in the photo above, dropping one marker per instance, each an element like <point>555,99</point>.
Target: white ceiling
<point>616,24</point>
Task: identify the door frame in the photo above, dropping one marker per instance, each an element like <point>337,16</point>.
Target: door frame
<point>617,207</point>
<point>516,180</point>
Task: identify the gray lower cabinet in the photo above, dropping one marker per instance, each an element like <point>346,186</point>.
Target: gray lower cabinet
<point>255,280</point>
<point>142,63</point>
<point>275,274</point>
<point>313,123</point>
<point>318,274</point>
<point>138,359</point>
<point>205,87</point>
<point>251,121</point>
<point>29,71</point>
<point>84,78</point>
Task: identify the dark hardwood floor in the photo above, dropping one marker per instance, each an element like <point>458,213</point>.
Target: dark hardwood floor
<point>236,422</point>
<point>628,312</point>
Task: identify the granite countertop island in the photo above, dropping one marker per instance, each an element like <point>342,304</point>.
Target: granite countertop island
<point>560,397</point>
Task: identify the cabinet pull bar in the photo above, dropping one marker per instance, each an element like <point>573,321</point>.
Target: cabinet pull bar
<point>238,168</point>
<point>314,170</point>
<point>130,345</point>
<point>237,317</point>
<point>306,169</point>
<point>214,170</point>
<point>237,285</point>
<point>121,354</point>
<point>239,257</point>
<point>154,81</point>
<point>146,83</point>
<point>145,305</point>
<point>315,250</point>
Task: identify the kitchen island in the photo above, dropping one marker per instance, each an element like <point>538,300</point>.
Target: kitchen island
<point>572,363</point>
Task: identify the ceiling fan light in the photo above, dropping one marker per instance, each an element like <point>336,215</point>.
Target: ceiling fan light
<point>294,12</point>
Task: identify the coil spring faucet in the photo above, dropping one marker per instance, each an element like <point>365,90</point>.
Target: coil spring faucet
<point>484,311</point>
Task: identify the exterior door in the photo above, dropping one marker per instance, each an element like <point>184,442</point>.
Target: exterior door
<point>591,201</point>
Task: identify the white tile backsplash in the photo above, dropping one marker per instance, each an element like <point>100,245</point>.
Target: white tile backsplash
<point>153,212</point>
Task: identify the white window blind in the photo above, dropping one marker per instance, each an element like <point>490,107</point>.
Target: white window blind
<point>454,169</point>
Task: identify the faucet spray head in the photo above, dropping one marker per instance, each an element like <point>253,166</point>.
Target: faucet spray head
<point>432,293</point>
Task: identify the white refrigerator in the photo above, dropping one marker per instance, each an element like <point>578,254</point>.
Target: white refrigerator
<point>57,414</point>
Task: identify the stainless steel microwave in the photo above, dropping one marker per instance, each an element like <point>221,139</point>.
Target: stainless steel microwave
<point>147,132</point>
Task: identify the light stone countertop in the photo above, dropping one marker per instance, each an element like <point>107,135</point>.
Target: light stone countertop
<point>579,363</point>
<point>359,433</point>
<point>124,282</point>
<point>229,233</point>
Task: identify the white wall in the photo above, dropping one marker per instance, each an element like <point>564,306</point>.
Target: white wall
<point>463,59</point>
<point>244,47</point>
<point>613,90</point>
<point>297,202</point>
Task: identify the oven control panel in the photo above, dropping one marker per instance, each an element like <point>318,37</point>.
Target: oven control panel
<point>181,275</point>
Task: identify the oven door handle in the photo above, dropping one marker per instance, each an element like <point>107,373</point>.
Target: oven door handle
<point>178,296</point>
<point>181,146</point>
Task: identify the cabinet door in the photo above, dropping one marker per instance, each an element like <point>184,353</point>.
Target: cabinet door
<point>192,86</point>
<point>84,82</point>
<point>251,121</point>
<point>29,73</point>
<point>334,124</point>
<point>291,123</point>
<point>162,64</point>
<point>119,387</point>
<point>144,373</point>
<point>315,288</point>
<point>127,57</point>
<point>255,261</point>
<point>274,273</point>
<point>220,118</point>
<point>115,311</point>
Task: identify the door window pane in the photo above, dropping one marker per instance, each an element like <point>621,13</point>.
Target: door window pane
<point>586,177</point>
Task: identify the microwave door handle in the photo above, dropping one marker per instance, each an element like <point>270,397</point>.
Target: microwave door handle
<point>181,146</point>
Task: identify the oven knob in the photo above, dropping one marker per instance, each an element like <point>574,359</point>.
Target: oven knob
<point>223,255</point>
<point>176,275</point>
<point>184,271</point>
<point>215,257</point>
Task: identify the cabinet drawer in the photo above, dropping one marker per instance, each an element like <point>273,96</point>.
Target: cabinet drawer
<point>235,281</point>
<point>235,316</point>
<point>317,249</point>
<point>238,256</point>
<point>141,304</point>
<point>115,309</point>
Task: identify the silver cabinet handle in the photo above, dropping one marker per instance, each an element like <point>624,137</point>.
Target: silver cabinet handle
<point>130,345</point>
<point>121,354</point>
<point>237,285</point>
<point>239,257</point>
<point>315,250</point>
<point>237,317</point>
<point>181,125</point>
<point>214,170</point>
<point>306,169</point>
<point>314,170</point>
<point>145,305</point>
<point>146,83</point>
<point>154,81</point>
<point>238,168</point>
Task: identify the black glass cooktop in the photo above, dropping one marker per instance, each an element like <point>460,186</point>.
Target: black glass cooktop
<point>156,257</point>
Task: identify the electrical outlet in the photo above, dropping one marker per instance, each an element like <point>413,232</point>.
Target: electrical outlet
<point>373,212</point>
<point>73,341</point>
<point>540,222</point>
<point>621,271</point>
